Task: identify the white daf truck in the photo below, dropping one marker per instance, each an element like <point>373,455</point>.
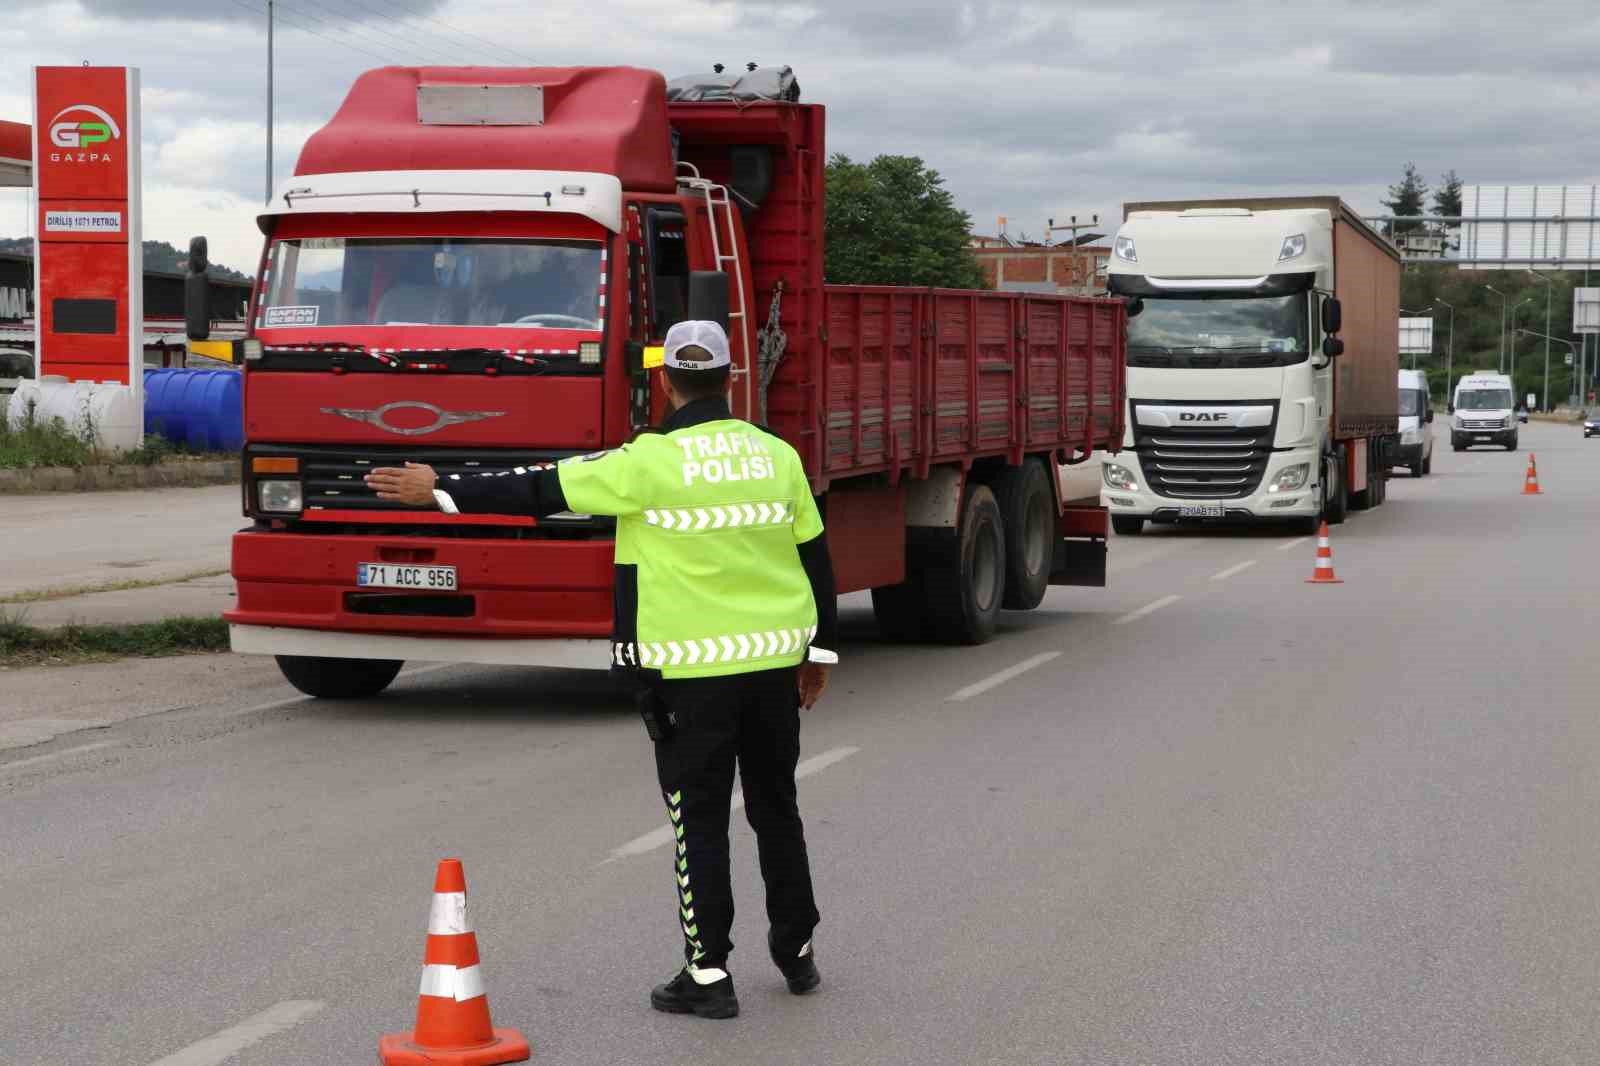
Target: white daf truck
<point>1262,359</point>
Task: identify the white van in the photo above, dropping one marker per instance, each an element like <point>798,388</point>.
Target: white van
<point>1416,434</point>
<point>1485,413</point>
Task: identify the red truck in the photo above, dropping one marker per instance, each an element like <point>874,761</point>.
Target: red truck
<point>469,269</point>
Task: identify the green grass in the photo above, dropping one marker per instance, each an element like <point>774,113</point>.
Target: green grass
<point>25,645</point>
<point>39,442</point>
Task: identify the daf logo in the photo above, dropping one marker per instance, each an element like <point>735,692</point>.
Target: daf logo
<point>1202,416</point>
<point>441,418</point>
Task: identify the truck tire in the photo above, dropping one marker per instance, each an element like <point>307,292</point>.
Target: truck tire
<point>1335,505</point>
<point>1028,512</point>
<point>963,596</point>
<point>900,612</point>
<point>338,679</point>
<point>1127,525</point>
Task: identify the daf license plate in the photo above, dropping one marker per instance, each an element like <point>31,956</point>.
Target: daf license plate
<point>1201,510</point>
<point>393,576</point>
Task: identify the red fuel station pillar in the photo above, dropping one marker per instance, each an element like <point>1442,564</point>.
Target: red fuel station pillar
<point>89,259</point>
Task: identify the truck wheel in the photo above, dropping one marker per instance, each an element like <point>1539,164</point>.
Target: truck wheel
<point>900,612</point>
<point>1127,525</point>
<point>338,679</point>
<point>1027,511</point>
<point>963,597</point>
<point>1335,506</point>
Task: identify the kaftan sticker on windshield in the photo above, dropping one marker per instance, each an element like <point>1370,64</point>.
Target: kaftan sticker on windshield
<point>292,316</point>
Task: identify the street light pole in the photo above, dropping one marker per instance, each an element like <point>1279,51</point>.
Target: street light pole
<point>1572,350</point>
<point>1511,339</point>
<point>1500,357</point>
<point>1548,281</point>
<point>1449,351</point>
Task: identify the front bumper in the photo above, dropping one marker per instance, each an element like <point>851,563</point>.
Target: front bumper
<point>507,588</point>
<point>1408,455</point>
<point>1260,505</point>
<point>1469,437</point>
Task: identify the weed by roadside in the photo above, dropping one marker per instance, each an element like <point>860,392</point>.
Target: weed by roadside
<point>25,645</point>
<point>40,442</point>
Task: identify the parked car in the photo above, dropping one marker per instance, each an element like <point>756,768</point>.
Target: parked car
<point>1591,422</point>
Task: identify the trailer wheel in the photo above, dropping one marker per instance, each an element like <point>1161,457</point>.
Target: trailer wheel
<point>963,597</point>
<point>338,679</point>
<point>1027,510</point>
<point>1335,505</point>
<point>900,612</point>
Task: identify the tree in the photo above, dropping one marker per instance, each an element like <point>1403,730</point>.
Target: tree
<point>1407,198</point>
<point>1447,201</point>
<point>892,222</point>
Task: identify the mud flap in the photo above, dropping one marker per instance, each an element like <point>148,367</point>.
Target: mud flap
<point>1080,552</point>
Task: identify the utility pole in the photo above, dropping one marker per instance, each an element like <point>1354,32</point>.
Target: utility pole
<point>1548,281</point>
<point>268,197</point>
<point>1449,353</point>
<point>1078,265</point>
<point>1500,358</point>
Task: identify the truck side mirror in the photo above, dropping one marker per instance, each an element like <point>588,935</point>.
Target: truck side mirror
<point>708,296</point>
<point>1332,318</point>
<point>197,292</point>
<point>1332,346</point>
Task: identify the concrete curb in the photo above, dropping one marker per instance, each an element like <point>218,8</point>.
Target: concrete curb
<point>121,476</point>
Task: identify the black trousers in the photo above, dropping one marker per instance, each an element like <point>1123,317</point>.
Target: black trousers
<point>754,720</point>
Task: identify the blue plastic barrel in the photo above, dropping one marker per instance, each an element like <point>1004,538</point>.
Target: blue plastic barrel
<point>201,409</point>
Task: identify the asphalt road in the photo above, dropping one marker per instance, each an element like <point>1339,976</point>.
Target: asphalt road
<point>1210,814</point>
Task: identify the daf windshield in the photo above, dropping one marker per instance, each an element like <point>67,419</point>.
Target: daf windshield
<point>1233,331</point>
<point>1484,400</point>
<point>377,281</point>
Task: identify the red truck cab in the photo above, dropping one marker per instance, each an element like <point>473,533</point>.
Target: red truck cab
<point>466,271</point>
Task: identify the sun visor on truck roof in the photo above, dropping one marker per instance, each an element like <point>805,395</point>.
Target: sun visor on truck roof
<point>1210,288</point>
<point>756,85</point>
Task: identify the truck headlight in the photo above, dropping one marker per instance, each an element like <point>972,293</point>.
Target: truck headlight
<point>281,497</point>
<point>1125,249</point>
<point>1119,477</point>
<point>1293,247</point>
<point>1291,478</point>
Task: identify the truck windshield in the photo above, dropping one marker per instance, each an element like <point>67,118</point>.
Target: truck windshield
<point>1411,402</point>
<point>1232,331</point>
<point>1484,400</point>
<point>339,281</point>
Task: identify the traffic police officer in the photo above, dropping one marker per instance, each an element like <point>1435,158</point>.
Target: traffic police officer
<point>725,607</point>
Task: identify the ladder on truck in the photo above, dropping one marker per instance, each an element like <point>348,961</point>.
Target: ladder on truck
<point>716,196</point>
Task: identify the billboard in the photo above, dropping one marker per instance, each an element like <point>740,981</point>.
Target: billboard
<point>1517,226</point>
<point>89,262</point>
<point>1416,336</point>
<point>1585,310</point>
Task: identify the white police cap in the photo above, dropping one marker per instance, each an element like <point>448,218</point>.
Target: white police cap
<point>705,335</point>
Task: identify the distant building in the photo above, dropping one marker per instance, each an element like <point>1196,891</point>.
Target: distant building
<point>1011,265</point>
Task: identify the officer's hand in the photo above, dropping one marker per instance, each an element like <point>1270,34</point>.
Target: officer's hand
<point>411,485</point>
<point>813,680</point>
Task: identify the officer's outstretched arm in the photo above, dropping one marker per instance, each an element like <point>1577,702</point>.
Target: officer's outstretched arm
<point>523,490</point>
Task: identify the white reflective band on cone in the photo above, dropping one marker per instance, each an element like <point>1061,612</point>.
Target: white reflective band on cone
<point>448,982</point>
<point>448,915</point>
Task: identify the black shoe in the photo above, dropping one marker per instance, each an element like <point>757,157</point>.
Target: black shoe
<point>800,971</point>
<point>684,995</point>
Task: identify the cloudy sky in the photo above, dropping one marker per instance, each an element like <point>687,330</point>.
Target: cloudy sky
<point>1030,110</point>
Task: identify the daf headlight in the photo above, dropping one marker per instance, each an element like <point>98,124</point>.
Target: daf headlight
<point>1291,478</point>
<point>1125,249</point>
<point>1293,247</point>
<point>280,497</point>
<point>1119,477</point>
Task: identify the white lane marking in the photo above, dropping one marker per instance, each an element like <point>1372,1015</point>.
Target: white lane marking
<point>1295,543</point>
<point>1001,677</point>
<point>658,838</point>
<point>223,1046</point>
<point>1223,575</point>
<point>1134,616</point>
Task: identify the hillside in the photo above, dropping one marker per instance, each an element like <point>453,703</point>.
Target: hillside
<point>158,255</point>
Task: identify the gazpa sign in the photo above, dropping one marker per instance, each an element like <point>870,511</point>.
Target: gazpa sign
<point>89,266</point>
<point>88,262</point>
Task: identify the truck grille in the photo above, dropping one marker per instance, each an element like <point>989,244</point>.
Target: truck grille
<point>1203,463</point>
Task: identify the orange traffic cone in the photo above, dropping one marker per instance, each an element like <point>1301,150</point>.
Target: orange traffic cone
<point>453,1027</point>
<point>1530,484</point>
<point>1323,573</point>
